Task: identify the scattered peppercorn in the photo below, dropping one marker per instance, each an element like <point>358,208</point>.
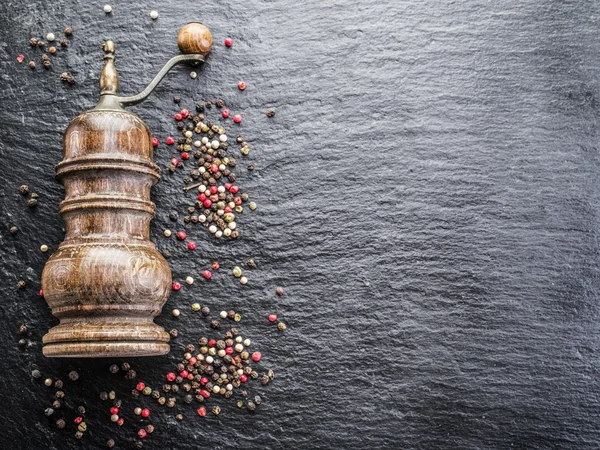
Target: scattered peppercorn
<point>279,291</point>
<point>21,284</point>
<point>281,326</point>
<point>73,375</point>
<point>270,112</point>
<point>67,78</point>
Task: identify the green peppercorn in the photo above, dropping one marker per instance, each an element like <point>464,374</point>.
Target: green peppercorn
<point>82,427</point>
<point>252,206</point>
<point>112,395</point>
<point>147,390</point>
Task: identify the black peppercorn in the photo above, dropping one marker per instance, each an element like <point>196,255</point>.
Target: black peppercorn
<point>205,312</point>
<point>135,393</point>
<point>174,333</point>
<point>270,112</point>
<point>24,189</point>
<point>58,384</point>
<point>208,105</point>
<point>81,410</point>
<point>251,166</point>
<point>131,374</point>
<point>103,395</point>
<point>60,424</point>
<point>67,78</point>
<point>177,99</point>
<point>173,215</point>
<point>32,202</point>
<point>64,42</point>
<point>110,443</point>
<point>14,230</point>
<point>23,329</point>
<point>73,375</point>
<point>33,42</point>
<point>199,106</point>
<point>21,284</point>
<point>220,103</point>
<point>215,324</point>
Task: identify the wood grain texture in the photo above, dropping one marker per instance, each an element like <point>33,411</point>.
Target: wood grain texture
<point>107,281</point>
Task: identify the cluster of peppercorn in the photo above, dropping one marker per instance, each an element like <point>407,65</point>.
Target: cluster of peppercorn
<point>218,200</point>
<point>33,198</point>
<point>58,402</point>
<point>46,61</point>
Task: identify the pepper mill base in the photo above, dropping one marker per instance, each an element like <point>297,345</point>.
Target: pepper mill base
<point>74,339</point>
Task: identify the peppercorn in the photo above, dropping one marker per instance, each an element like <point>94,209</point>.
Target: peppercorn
<point>82,427</point>
<point>68,31</point>
<point>113,368</point>
<point>112,395</point>
<point>23,329</point>
<point>32,202</point>
<point>270,112</point>
<point>110,443</point>
<point>67,78</point>
<point>131,374</point>
<point>251,406</point>
<point>21,284</point>
<point>73,375</point>
<point>40,43</point>
<point>33,42</point>
<point>52,50</point>
<point>58,384</point>
<point>60,394</point>
<point>14,230</point>
<point>174,333</point>
<point>103,395</point>
<point>150,428</point>
<point>220,103</point>
<point>138,444</point>
<point>64,42</point>
<point>48,412</point>
<point>24,189</point>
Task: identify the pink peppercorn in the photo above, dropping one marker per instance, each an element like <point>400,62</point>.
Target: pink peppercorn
<point>272,317</point>
<point>201,411</point>
<point>212,343</point>
<point>142,433</point>
<point>171,376</point>
<point>207,203</point>
<point>256,356</point>
<point>174,161</point>
<point>190,376</point>
<point>140,386</point>
<point>183,374</point>
<point>213,189</point>
<point>243,378</point>
<point>228,42</point>
<point>229,350</point>
<point>204,393</point>
<point>192,360</point>
<point>185,155</point>
<point>120,422</point>
<point>227,186</point>
<point>170,140</point>
<point>207,274</point>
<point>177,117</point>
<point>78,420</point>
<point>202,197</point>
<point>225,113</point>
<point>113,410</point>
<point>227,209</point>
<point>203,381</point>
<point>237,118</point>
<point>181,235</point>
<point>215,265</point>
<point>191,245</point>
<point>234,189</point>
<point>214,168</point>
<point>237,200</point>
<point>184,113</point>
<point>41,293</point>
<point>176,285</point>
<point>154,142</point>
<point>241,85</point>
<point>145,412</point>
<point>20,58</point>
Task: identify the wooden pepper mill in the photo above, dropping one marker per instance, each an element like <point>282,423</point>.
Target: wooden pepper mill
<point>107,282</point>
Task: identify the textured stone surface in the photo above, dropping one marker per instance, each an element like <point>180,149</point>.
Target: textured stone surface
<point>427,197</point>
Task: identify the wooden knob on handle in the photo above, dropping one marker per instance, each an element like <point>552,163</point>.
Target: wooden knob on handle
<point>194,38</point>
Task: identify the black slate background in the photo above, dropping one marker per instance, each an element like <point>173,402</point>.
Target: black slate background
<point>427,197</point>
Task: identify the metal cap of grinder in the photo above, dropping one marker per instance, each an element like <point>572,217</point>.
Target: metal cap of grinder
<point>107,281</point>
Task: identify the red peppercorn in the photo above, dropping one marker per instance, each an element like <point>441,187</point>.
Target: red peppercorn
<point>190,376</point>
<point>228,42</point>
<point>234,189</point>
<point>170,140</point>
<point>241,85</point>
<point>207,203</point>
<point>20,58</point>
<point>174,161</point>
<point>120,422</point>
<point>237,200</point>
<point>41,293</point>
<point>178,117</point>
<point>154,142</point>
<point>229,350</point>
<point>237,118</point>
<point>114,410</point>
<point>185,155</point>
<point>203,381</point>
<point>176,285</point>
<point>191,245</point>
<point>207,274</point>
<point>227,186</point>
<point>215,265</point>
<point>181,235</point>
<point>145,412</point>
<point>171,376</point>
<point>140,386</point>
<point>214,168</point>
<point>184,113</point>
<point>183,374</point>
<point>272,317</point>
<point>225,113</point>
<point>243,378</point>
<point>213,189</point>
<point>201,411</point>
<point>204,393</point>
<point>192,360</point>
<point>78,420</point>
<point>227,209</point>
<point>202,197</point>
<point>142,433</point>
<point>212,343</point>
<point>256,356</point>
